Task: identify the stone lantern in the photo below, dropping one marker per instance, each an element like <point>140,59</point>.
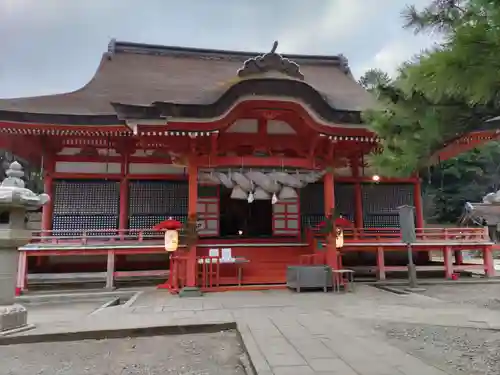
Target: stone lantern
<point>15,200</point>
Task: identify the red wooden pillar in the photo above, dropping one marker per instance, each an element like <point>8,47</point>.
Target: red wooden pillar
<point>358,206</point>
<point>358,195</point>
<point>192,211</point>
<point>448,262</point>
<point>123,216</point>
<point>329,192</point>
<point>380,263</point>
<point>329,197</point>
<point>48,188</point>
<point>419,210</point>
<point>423,256</point>
<point>124,198</point>
<point>489,263</point>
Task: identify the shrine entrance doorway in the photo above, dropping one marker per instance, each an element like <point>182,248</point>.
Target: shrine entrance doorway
<point>241,219</point>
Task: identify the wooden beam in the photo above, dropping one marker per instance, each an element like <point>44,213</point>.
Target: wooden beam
<point>313,144</point>
<point>387,180</point>
<point>112,159</point>
<point>252,161</point>
<point>214,144</point>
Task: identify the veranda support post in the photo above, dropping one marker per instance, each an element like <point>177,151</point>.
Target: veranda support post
<point>48,187</point>
<point>489,263</point>
<point>191,288</point>
<point>329,197</point>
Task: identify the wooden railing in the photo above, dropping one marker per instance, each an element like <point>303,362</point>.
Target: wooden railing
<point>422,234</point>
<point>208,271</point>
<point>96,236</point>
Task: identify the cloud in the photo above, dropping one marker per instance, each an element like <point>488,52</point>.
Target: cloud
<point>368,33</point>
<point>337,20</point>
<point>391,55</point>
<point>53,46</point>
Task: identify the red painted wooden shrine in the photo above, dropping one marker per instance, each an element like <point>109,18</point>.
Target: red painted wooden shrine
<point>125,152</point>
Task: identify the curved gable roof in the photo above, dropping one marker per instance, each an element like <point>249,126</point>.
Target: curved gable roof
<point>142,74</point>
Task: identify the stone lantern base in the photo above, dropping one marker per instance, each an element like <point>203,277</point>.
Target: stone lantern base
<point>12,317</point>
<point>15,200</point>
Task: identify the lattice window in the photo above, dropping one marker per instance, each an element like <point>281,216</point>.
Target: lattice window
<point>208,211</point>
<point>85,205</point>
<point>381,202</point>
<point>312,200</point>
<point>158,198</point>
<point>86,197</point>
<point>286,218</point>
<point>75,225</point>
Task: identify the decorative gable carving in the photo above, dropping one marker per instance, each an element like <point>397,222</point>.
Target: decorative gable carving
<point>270,62</point>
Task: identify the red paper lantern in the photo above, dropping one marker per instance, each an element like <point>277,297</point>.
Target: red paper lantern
<point>339,222</point>
<point>171,228</point>
<point>169,224</point>
<point>342,222</point>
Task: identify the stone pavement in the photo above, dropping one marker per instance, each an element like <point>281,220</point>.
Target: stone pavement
<point>289,333</point>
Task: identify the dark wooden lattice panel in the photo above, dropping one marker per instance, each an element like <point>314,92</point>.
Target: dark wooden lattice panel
<point>381,221</point>
<point>345,200</point>
<point>386,198</point>
<point>168,198</point>
<point>86,197</point>
<point>312,199</point>
<point>87,223</point>
<point>311,220</point>
<point>381,202</point>
<point>312,202</point>
<point>149,221</point>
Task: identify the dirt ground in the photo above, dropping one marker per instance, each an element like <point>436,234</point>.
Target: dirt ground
<point>200,354</point>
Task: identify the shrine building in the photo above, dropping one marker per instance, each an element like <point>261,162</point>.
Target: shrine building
<point>258,147</point>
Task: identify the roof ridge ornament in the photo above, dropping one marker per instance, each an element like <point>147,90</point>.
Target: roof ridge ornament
<point>111,49</point>
<point>270,62</point>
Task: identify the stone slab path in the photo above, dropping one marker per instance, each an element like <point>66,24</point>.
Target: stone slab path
<point>289,333</point>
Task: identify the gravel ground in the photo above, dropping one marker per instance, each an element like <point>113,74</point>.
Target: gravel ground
<point>482,295</point>
<point>200,354</point>
<point>461,351</point>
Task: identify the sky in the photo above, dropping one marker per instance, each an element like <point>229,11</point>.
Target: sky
<point>54,46</point>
